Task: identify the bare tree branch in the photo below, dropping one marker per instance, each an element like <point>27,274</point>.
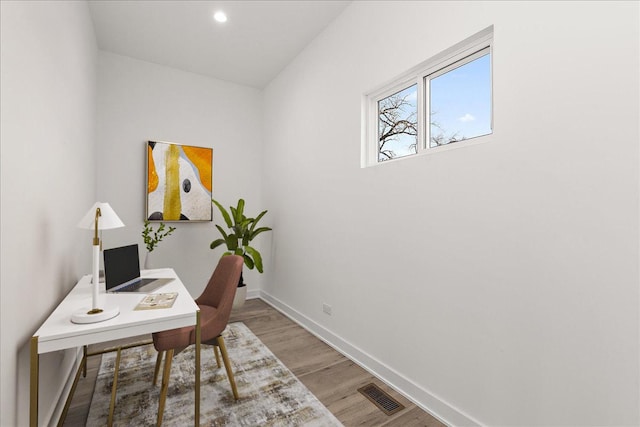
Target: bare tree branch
<point>394,120</point>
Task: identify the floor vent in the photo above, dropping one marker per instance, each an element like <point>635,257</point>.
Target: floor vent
<point>382,400</point>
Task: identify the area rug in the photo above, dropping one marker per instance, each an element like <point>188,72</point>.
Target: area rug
<point>270,395</point>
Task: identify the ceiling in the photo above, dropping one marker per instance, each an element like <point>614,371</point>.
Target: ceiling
<point>259,39</point>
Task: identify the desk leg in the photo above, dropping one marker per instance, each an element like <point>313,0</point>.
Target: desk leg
<point>197,391</point>
<point>34,377</point>
<point>114,388</point>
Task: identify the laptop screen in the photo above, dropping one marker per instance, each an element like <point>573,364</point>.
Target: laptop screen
<point>121,265</point>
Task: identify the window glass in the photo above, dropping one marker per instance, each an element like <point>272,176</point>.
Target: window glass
<point>398,124</point>
<point>460,102</point>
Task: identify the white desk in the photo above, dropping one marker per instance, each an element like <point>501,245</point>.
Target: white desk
<point>58,333</point>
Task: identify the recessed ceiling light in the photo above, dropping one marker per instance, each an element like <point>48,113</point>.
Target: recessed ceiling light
<point>220,16</point>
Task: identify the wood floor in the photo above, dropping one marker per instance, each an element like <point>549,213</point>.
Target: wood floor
<point>330,376</point>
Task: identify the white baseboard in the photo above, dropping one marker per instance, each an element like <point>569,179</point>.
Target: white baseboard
<point>253,294</point>
<point>426,400</point>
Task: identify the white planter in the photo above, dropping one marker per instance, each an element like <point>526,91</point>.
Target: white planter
<point>147,261</point>
<point>240,298</point>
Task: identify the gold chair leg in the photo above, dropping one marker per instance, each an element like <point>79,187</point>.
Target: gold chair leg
<point>217,353</point>
<point>114,388</point>
<point>157,370</point>
<point>227,365</point>
<point>165,385</point>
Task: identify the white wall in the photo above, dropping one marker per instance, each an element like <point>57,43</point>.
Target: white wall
<point>512,266</point>
<point>139,101</point>
<point>498,283</point>
<point>48,67</point>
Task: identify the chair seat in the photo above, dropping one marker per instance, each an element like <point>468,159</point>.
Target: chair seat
<point>173,338</point>
<point>212,326</point>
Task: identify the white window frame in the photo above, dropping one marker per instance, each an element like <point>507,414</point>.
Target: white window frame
<point>454,57</point>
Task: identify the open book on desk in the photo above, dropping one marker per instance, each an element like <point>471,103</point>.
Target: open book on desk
<point>153,301</point>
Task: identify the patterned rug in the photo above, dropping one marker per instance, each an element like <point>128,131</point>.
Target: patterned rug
<point>270,395</point>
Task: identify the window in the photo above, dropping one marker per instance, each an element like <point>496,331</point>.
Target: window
<point>443,101</point>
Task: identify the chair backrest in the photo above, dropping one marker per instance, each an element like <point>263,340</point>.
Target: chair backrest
<point>222,285</point>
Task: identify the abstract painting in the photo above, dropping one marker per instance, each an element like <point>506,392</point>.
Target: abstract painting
<point>179,182</point>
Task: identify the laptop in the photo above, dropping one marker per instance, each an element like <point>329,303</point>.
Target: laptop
<point>122,271</point>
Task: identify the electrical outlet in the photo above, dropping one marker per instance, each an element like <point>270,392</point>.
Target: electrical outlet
<point>326,308</point>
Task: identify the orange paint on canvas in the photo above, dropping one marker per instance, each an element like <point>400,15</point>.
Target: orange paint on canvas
<point>201,158</point>
<point>153,175</point>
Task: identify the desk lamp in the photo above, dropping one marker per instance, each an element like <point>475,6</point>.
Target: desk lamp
<point>100,217</point>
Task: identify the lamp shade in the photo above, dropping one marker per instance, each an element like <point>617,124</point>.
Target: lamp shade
<point>108,218</point>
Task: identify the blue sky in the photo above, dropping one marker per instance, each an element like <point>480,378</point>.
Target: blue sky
<point>460,100</point>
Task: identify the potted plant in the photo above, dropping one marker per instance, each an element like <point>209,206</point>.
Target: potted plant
<point>241,230</point>
<point>152,238</point>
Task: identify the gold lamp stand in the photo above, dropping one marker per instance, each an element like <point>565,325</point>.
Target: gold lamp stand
<point>95,313</point>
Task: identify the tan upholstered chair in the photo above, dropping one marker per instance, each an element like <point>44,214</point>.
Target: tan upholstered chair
<point>215,308</point>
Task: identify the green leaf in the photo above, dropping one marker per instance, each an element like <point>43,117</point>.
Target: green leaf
<point>232,242</point>
<point>225,214</point>
<point>217,243</point>
<point>248,262</point>
<point>255,221</point>
<point>257,258</point>
<point>239,251</point>
<point>258,231</point>
<point>224,234</point>
<point>240,211</point>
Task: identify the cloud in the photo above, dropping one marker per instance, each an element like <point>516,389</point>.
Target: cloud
<point>466,118</point>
